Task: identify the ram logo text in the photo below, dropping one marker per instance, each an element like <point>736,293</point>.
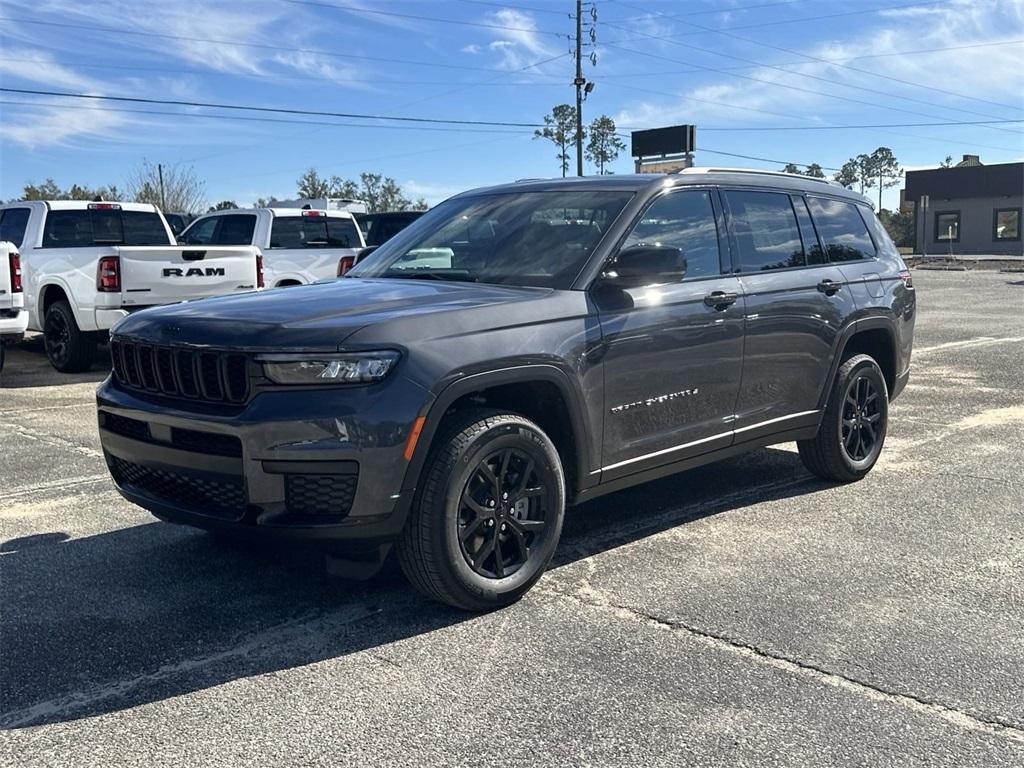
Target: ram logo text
<point>194,272</point>
<point>659,400</point>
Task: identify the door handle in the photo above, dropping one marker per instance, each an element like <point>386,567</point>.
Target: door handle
<point>829,287</point>
<point>720,299</point>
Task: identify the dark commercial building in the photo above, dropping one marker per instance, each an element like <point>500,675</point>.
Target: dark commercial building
<point>969,209</point>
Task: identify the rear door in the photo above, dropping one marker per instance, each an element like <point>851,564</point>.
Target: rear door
<point>171,274</point>
<point>672,356</point>
<point>796,304</point>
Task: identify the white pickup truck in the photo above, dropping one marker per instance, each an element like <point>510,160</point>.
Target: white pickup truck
<point>87,265</point>
<point>299,245</point>
<point>13,318</point>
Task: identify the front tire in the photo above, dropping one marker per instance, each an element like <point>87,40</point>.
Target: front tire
<point>489,513</point>
<point>69,349</point>
<point>854,425</point>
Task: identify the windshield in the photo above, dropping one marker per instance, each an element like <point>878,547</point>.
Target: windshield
<point>519,238</point>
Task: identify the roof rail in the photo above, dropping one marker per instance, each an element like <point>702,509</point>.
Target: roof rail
<point>757,172</point>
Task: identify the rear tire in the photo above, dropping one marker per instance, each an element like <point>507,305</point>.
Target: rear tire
<point>69,349</point>
<point>488,516</point>
<point>854,424</point>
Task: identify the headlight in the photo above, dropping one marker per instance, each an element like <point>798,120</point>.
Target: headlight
<point>330,368</point>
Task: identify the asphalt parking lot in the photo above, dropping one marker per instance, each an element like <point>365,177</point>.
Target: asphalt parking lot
<point>740,614</point>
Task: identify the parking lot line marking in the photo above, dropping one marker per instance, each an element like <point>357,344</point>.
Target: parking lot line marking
<point>980,341</point>
<point>57,442</point>
<point>597,600</point>
<point>70,482</point>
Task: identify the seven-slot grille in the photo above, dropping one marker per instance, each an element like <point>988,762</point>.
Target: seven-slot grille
<point>214,376</point>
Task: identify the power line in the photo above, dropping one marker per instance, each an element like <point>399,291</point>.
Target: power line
<point>275,76</point>
<point>762,159</point>
<point>281,110</point>
<point>431,19</point>
<point>798,88</point>
<point>262,46</point>
<point>731,9</point>
<point>828,61</point>
<point>531,8</point>
<point>851,127</point>
<point>327,123</point>
<point>726,33</point>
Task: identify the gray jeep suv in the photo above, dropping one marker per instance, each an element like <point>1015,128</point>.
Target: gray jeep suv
<point>517,349</point>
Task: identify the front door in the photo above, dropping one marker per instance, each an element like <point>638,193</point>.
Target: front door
<point>672,355</point>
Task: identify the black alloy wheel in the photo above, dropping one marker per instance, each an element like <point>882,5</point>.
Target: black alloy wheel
<point>501,514</point>
<point>861,414</point>
<point>854,425</point>
<point>488,511</point>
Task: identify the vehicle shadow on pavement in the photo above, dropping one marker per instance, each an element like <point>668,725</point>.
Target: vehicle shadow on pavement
<point>28,366</point>
<point>104,623</point>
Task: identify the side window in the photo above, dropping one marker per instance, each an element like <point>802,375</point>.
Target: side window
<point>13,224</point>
<point>236,229</point>
<point>341,233</point>
<point>683,220</point>
<point>811,246</point>
<point>67,229</point>
<point>144,228</point>
<point>201,231</point>
<point>767,236</point>
<point>842,229</point>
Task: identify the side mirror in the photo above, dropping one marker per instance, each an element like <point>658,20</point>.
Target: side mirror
<point>364,252</point>
<point>646,265</point>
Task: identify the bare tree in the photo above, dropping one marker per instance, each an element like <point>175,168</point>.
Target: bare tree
<point>169,187</point>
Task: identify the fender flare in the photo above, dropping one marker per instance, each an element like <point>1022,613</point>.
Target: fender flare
<point>436,409</point>
<point>863,324</point>
<point>53,281</point>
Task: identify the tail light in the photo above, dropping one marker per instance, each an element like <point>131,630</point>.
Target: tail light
<point>108,275</point>
<point>345,263</point>
<point>15,261</point>
<point>907,278</point>
<point>259,271</point>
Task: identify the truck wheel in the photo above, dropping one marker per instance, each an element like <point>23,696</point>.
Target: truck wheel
<point>854,425</point>
<point>489,513</point>
<point>69,349</point>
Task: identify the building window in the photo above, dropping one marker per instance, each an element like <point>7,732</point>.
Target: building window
<point>947,226</point>
<point>1006,224</point>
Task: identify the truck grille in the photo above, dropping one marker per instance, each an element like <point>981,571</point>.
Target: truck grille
<point>212,376</point>
<point>218,496</point>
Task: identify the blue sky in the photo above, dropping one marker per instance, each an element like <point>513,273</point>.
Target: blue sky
<point>732,67</point>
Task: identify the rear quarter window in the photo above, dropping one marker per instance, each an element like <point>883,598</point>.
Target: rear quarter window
<point>13,223</point>
<point>842,229</point>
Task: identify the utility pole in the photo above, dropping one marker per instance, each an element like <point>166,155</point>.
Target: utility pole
<point>579,82</point>
<point>160,174</point>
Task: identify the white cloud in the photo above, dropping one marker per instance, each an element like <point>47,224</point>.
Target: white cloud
<point>320,66</point>
<point>32,126</point>
<point>471,48</point>
<point>520,43</point>
<point>432,193</point>
<point>991,73</point>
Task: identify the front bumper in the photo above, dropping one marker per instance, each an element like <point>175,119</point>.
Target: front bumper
<point>313,465</point>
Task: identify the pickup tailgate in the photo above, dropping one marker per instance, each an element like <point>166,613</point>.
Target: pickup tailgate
<point>168,274</point>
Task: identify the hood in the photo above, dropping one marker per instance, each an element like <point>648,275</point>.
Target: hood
<point>318,316</point>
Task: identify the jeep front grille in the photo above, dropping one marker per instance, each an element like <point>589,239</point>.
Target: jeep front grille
<point>208,375</point>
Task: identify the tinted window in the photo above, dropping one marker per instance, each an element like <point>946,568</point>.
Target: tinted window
<point>683,220</point>
<point>12,225</point>
<point>236,229</point>
<point>1006,226</point>
<point>67,229</point>
<point>842,229</point>
<point>342,233</point>
<point>811,246</point>
<point>142,228</point>
<point>512,238</point>
<point>766,232</point>
<point>201,232</point>
<point>79,229</point>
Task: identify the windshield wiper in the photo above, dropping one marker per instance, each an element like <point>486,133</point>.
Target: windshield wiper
<point>459,275</point>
